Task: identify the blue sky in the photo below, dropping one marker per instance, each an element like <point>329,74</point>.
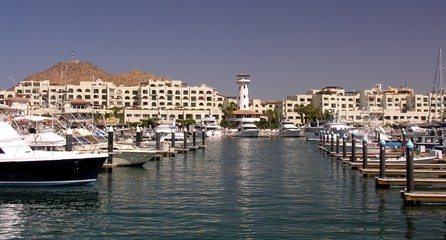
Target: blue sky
<point>288,46</point>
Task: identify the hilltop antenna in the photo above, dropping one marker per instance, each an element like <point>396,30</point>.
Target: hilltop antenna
<point>72,56</point>
<point>13,80</point>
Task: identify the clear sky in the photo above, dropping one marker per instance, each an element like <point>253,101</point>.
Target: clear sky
<point>288,46</point>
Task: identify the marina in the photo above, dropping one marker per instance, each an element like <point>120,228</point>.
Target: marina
<point>236,188</point>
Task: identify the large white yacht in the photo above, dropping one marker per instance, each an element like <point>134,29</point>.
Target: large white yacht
<point>245,129</point>
<point>210,128</point>
<point>244,124</point>
<point>288,129</point>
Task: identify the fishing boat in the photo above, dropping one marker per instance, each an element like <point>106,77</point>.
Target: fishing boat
<point>22,166</point>
<point>36,132</point>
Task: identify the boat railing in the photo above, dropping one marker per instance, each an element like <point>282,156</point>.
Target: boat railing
<point>23,150</point>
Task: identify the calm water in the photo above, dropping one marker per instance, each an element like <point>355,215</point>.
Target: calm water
<point>235,189</point>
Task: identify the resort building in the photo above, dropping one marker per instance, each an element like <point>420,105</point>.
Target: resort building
<point>165,99</point>
<point>174,99</point>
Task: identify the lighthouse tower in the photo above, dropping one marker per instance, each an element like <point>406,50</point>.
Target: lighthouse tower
<point>243,80</point>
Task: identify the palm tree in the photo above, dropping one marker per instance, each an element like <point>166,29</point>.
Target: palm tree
<point>228,112</point>
<point>273,118</point>
<point>118,113</point>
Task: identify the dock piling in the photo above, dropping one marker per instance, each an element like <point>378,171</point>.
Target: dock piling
<point>409,168</point>
<point>337,143</point>
<point>364,152</point>
<point>158,141</point>
<point>173,139</point>
<point>353,159</point>
<point>69,140</point>
<point>110,146</point>
<point>382,159</point>
<point>203,137</point>
<point>138,136</point>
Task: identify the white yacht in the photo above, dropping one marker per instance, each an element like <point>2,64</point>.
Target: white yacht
<point>22,166</point>
<point>288,129</point>
<point>245,129</point>
<point>165,130</point>
<point>244,124</point>
<point>210,128</point>
<point>36,132</point>
<point>125,154</point>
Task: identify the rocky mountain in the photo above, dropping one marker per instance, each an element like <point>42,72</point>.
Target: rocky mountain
<point>74,72</point>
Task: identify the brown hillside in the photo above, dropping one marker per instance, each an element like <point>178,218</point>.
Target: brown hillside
<point>74,72</point>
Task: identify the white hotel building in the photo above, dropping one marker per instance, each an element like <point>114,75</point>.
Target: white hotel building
<point>179,100</point>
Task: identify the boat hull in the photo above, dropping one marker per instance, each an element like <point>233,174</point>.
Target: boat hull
<point>246,133</point>
<point>290,134</point>
<point>50,172</point>
<point>132,158</point>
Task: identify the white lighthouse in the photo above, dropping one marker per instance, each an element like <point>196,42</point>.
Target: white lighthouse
<point>243,80</point>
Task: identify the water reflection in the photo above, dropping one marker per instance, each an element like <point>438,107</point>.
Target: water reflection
<point>38,208</point>
<point>416,216</point>
<point>10,221</point>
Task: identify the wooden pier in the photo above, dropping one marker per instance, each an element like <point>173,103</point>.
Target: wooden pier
<point>357,165</point>
<point>388,182</point>
<point>418,197</point>
<point>426,175</point>
<point>402,172</point>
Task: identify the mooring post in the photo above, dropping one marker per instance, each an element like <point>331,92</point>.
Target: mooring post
<point>321,133</point>
<point>410,182</point>
<point>344,146</point>
<point>138,136</point>
<point>337,143</point>
<point>404,142</point>
<point>69,140</point>
<point>184,138</point>
<point>353,147</point>
<point>332,141</point>
<point>382,159</point>
<point>364,152</point>
<point>203,137</point>
<point>158,141</point>
<point>172,134</point>
<point>110,145</point>
<point>323,138</point>
<point>194,138</point>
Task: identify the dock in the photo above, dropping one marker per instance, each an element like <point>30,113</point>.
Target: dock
<point>402,172</point>
<point>388,182</point>
<point>357,165</point>
<point>418,197</point>
<point>427,176</point>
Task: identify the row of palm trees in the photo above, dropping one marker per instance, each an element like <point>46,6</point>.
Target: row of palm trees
<point>271,119</point>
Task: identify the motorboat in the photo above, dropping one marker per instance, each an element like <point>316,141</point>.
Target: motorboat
<point>165,131</point>
<point>22,166</point>
<point>210,128</point>
<point>288,129</point>
<point>245,129</point>
<point>312,133</point>
<point>36,133</point>
<point>124,153</point>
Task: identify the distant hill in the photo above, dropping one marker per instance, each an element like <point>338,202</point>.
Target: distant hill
<point>74,72</point>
